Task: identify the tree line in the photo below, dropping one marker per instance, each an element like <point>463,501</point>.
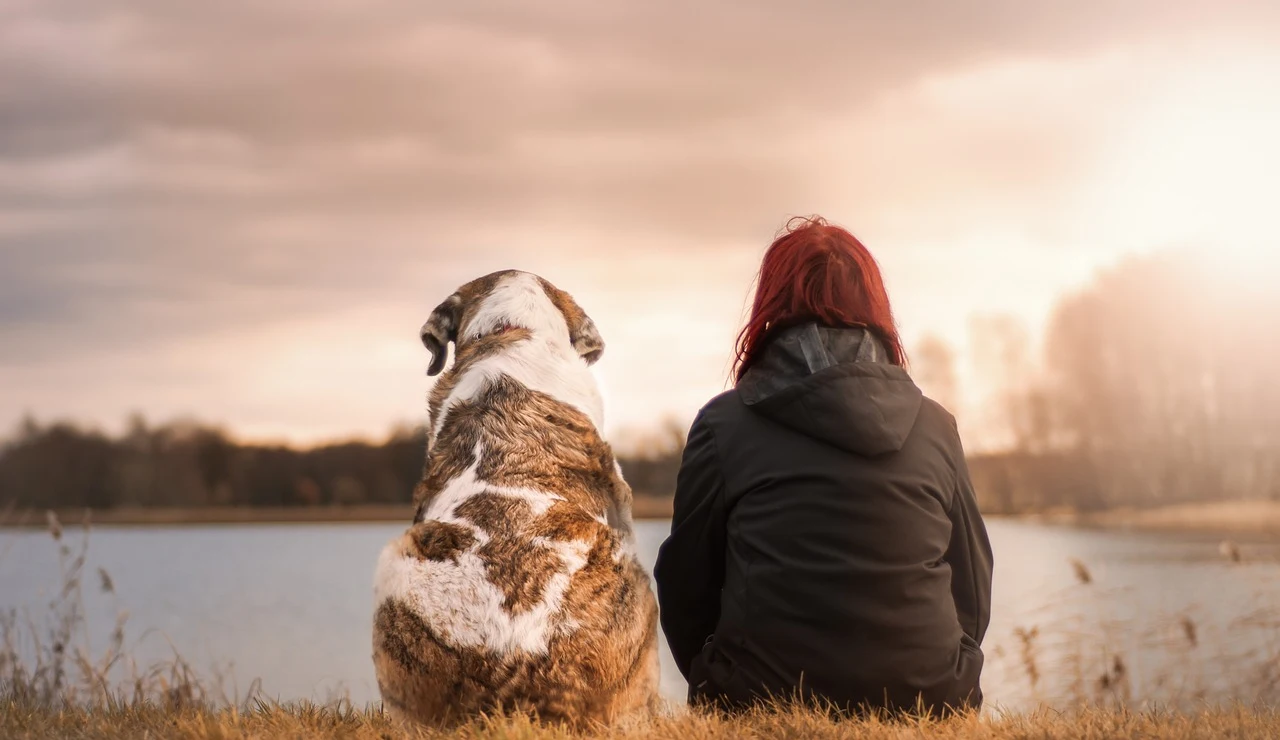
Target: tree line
<point>187,464</point>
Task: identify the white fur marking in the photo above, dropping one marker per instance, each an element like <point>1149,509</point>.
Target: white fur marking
<point>458,600</point>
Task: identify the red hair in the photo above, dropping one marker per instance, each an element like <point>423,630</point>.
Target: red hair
<point>817,272</point>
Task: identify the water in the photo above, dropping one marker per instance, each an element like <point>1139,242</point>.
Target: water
<point>291,605</point>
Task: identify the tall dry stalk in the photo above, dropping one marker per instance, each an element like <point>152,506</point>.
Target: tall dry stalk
<point>50,661</point>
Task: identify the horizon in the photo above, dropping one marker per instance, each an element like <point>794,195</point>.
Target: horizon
<point>252,239</point>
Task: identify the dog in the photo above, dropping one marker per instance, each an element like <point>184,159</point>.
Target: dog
<point>517,588</point>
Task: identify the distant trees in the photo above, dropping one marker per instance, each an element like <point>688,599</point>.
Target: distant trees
<point>1156,386</point>
<point>185,464</point>
<point>1162,376</point>
<point>62,460</point>
<point>651,461</point>
<point>1014,398</point>
<point>933,366</point>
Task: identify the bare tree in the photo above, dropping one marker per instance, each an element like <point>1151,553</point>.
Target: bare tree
<point>1013,403</point>
<point>1161,378</point>
<point>933,364</point>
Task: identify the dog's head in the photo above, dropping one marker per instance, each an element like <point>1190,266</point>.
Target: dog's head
<point>508,300</point>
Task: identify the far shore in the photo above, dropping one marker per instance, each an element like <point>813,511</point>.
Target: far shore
<point>1246,519</point>
<point>644,507</point>
<point>1225,518</point>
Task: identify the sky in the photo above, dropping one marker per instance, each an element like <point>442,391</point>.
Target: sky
<point>242,212</point>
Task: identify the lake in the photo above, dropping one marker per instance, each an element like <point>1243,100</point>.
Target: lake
<point>1161,617</point>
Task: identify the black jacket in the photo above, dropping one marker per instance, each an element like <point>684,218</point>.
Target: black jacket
<point>826,539</point>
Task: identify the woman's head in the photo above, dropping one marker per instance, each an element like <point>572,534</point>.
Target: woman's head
<point>817,272</point>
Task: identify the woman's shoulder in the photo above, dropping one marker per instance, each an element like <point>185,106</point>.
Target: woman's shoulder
<point>936,422</point>
<point>720,408</point>
<point>933,411</point>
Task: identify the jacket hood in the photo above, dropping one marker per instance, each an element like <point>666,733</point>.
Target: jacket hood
<point>836,385</point>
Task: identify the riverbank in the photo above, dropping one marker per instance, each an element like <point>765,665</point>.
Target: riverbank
<point>1246,519</point>
<point>307,721</point>
<point>644,507</point>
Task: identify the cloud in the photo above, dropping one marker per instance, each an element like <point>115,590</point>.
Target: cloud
<point>174,175</point>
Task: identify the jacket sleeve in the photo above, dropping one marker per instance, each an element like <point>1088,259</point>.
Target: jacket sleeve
<point>969,555</point>
<point>690,567</point>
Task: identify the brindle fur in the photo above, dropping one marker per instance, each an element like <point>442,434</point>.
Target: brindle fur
<point>603,665</point>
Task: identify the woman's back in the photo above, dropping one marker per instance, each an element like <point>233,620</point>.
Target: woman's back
<point>845,514</point>
<point>826,540</point>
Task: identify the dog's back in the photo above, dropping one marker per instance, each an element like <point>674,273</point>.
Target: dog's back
<point>517,588</point>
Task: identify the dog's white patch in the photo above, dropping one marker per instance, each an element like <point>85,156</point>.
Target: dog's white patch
<point>458,600</point>
<point>518,299</point>
<point>546,363</point>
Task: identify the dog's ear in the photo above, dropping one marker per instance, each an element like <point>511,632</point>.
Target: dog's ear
<point>586,339</point>
<point>583,333</point>
<point>441,329</point>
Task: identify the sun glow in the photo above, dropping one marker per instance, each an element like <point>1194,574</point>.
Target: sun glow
<point>1201,165</point>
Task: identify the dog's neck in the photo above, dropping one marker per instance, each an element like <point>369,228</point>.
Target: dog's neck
<point>543,363</point>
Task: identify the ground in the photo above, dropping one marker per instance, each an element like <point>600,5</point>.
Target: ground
<point>307,721</point>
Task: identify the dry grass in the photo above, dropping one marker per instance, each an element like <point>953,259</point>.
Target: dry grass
<point>309,721</point>
<point>48,661</point>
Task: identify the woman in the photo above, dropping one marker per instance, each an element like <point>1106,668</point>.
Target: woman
<point>826,541</point>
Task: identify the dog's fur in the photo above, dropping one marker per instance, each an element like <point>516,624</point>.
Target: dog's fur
<point>517,589</point>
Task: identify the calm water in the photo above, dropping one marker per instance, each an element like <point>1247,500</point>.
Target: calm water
<point>292,605</point>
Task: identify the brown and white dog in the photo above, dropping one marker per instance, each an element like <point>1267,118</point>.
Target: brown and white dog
<point>517,589</point>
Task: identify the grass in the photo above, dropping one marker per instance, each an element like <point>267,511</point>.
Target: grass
<point>50,662</point>
<point>53,685</point>
<point>310,721</point>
